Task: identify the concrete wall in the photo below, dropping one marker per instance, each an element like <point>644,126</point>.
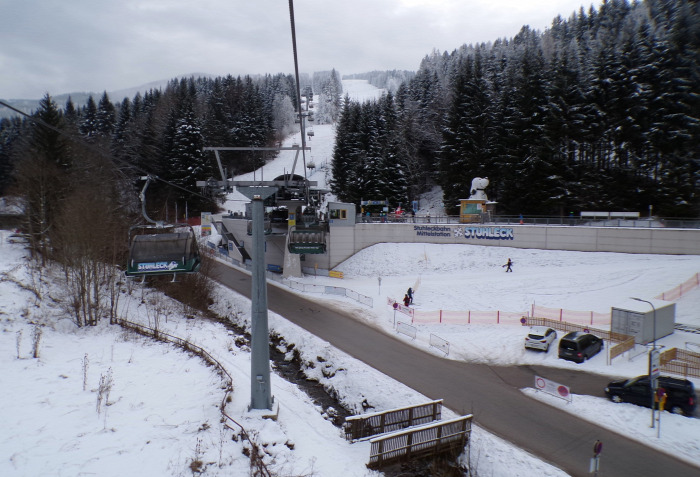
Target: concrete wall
<point>346,241</point>
<point>584,239</point>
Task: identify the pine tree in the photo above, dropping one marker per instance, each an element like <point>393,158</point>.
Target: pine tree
<point>44,160</point>
<point>105,116</point>
<point>88,125</point>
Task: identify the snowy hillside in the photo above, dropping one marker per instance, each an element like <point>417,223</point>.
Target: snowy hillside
<point>321,154</point>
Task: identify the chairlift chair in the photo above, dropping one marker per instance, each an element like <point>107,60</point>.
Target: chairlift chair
<point>309,235</point>
<point>162,250</point>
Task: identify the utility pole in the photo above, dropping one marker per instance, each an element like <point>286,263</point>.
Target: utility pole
<point>653,363</point>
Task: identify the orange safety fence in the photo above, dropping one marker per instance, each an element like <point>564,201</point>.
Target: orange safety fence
<point>675,293</point>
<point>449,317</point>
<point>571,316</point>
<point>587,318</point>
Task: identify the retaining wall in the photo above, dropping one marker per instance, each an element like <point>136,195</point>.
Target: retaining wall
<point>344,242</point>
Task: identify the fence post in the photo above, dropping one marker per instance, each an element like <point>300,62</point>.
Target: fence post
<point>561,314</point>
<point>591,318</point>
<point>498,317</point>
<point>440,316</point>
<point>469,317</point>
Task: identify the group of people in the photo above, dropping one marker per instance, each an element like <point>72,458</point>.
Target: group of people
<point>408,297</point>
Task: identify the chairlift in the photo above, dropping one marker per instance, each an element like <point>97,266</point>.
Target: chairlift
<point>310,132</point>
<point>308,236</point>
<point>161,249</point>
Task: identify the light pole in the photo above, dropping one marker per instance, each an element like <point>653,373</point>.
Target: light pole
<point>652,359</point>
<point>653,343</point>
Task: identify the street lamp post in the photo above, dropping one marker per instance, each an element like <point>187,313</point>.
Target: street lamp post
<point>652,358</point>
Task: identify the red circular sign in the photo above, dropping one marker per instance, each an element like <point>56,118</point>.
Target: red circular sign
<point>539,382</point>
<point>563,391</point>
<point>597,447</point>
<point>523,320</point>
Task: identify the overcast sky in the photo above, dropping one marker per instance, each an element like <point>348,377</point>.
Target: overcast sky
<point>95,45</point>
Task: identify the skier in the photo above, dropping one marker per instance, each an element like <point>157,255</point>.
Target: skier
<point>508,266</point>
<point>410,295</point>
<point>406,300</point>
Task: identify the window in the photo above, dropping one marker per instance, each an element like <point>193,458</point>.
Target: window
<point>339,214</point>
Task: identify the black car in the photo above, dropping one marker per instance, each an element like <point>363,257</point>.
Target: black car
<point>579,346</point>
<point>680,393</point>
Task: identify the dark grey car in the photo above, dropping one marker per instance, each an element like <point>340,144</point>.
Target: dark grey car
<point>579,346</point>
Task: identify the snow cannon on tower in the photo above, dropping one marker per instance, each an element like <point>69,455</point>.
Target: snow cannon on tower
<point>477,207</point>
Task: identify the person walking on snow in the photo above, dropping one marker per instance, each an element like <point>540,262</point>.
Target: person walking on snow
<point>508,266</point>
<point>406,300</point>
<point>410,295</point>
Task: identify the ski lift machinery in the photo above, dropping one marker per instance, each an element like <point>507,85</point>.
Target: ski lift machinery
<point>161,249</point>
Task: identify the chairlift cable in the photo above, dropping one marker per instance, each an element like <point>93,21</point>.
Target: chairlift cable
<point>301,120</point>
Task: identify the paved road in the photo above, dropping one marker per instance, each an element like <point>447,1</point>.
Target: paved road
<point>491,393</point>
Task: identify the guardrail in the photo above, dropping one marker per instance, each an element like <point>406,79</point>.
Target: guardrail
<point>371,424</point>
<point>431,439</point>
<point>302,287</point>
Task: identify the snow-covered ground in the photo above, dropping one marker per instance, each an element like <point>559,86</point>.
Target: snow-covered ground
<point>162,412</point>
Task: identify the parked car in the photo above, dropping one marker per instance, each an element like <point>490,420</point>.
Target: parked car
<point>540,337</point>
<point>680,393</point>
<point>579,346</point>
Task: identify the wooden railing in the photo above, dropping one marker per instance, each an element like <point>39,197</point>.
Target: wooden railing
<point>567,327</point>
<point>621,347</point>
<point>371,424</point>
<point>450,436</point>
<point>680,361</point>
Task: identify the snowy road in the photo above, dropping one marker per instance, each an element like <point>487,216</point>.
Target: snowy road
<point>491,393</point>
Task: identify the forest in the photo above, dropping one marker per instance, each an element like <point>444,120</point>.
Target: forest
<point>598,112</point>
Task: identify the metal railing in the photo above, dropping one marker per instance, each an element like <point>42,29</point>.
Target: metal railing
<point>654,222</point>
<point>302,287</point>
